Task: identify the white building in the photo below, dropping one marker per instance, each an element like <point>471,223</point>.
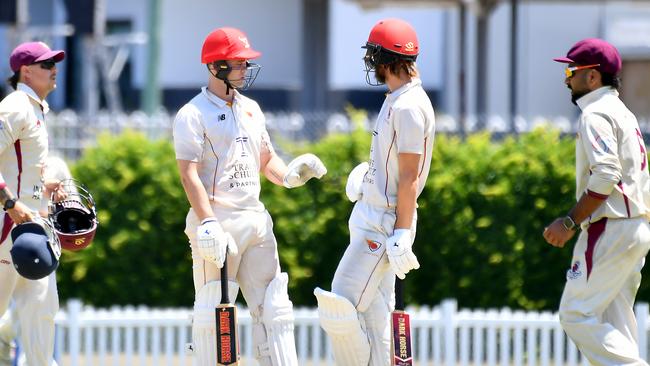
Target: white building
<point>312,60</point>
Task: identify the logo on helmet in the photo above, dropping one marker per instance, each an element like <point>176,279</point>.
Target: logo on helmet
<point>409,47</point>
<point>244,40</point>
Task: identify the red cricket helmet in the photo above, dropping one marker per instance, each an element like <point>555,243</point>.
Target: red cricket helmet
<point>227,44</point>
<point>390,40</point>
<point>74,218</point>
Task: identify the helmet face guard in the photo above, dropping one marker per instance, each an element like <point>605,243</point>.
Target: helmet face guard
<point>378,55</point>
<point>222,71</point>
<point>74,218</point>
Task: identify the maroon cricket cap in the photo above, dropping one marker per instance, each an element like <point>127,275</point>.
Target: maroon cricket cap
<point>593,51</point>
<point>32,52</point>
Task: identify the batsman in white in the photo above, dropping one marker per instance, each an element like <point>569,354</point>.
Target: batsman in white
<point>222,146</point>
<point>612,193</point>
<point>382,225</point>
<point>55,170</point>
<point>23,149</point>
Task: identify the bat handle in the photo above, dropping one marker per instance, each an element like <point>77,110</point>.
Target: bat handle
<point>224,281</point>
<point>399,294</point>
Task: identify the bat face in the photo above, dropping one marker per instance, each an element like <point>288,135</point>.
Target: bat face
<point>401,327</point>
<point>227,352</point>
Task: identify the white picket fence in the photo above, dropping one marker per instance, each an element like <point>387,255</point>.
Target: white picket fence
<point>442,335</point>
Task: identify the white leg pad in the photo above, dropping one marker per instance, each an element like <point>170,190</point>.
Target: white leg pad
<point>204,320</point>
<point>277,317</point>
<point>340,320</point>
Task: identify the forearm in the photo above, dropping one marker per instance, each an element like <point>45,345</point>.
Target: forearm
<point>586,205</point>
<point>275,169</point>
<point>407,189</point>
<point>406,202</point>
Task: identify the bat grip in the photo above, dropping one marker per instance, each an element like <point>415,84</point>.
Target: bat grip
<point>224,281</point>
<point>399,294</point>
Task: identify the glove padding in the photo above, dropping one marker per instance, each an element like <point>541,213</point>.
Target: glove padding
<point>302,169</point>
<point>213,242</point>
<point>355,181</point>
<point>400,255</point>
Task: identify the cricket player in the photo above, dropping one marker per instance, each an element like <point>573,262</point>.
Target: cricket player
<point>222,146</point>
<point>23,149</point>
<point>55,168</point>
<point>382,224</point>
<point>612,188</point>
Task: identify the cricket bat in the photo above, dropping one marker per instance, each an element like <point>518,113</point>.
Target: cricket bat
<point>226,325</point>
<point>402,353</point>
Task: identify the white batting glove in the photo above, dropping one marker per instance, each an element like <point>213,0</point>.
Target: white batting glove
<point>400,255</point>
<point>355,181</point>
<point>213,242</point>
<point>302,169</point>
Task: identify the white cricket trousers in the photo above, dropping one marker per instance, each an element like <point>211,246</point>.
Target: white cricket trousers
<point>254,268</point>
<point>36,302</point>
<point>364,276</point>
<point>596,309</point>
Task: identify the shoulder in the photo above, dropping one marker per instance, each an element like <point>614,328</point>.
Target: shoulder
<point>17,106</point>
<point>414,100</point>
<point>16,99</point>
<point>192,109</point>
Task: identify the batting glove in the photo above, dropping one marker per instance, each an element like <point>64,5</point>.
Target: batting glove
<point>213,242</point>
<point>302,169</point>
<point>400,255</point>
<point>355,181</point>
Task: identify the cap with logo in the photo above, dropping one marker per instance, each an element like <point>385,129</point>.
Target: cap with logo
<point>227,44</point>
<point>32,52</point>
<point>594,51</point>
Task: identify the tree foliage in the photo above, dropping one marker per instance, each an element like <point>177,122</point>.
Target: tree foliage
<point>140,254</point>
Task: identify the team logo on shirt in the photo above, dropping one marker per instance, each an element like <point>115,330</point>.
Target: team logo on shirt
<point>574,272</point>
<point>373,245</point>
<point>242,140</point>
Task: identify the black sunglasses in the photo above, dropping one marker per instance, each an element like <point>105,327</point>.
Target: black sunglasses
<point>47,64</point>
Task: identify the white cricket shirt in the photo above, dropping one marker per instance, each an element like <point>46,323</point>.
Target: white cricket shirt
<point>611,158</point>
<point>23,144</point>
<point>226,141</point>
<point>405,124</point>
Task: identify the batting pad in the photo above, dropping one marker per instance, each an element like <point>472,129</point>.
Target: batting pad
<point>278,321</point>
<point>340,320</point>
<point>204,322</point>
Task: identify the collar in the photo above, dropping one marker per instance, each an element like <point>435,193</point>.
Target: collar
<point>595,95</point>
<point>402,89</point>
<point>32,94</point>
<point>216,100</point>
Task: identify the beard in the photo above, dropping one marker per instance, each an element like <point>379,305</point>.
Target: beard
<point>380,74</point>
<point>577,94</point>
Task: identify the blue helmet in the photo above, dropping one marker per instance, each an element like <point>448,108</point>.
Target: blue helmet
<point>36,250</point>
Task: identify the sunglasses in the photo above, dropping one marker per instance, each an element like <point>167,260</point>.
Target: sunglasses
<point>47,64</point>
<point>569,71</point>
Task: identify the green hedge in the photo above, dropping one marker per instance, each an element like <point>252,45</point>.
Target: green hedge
<point>479,237</point>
